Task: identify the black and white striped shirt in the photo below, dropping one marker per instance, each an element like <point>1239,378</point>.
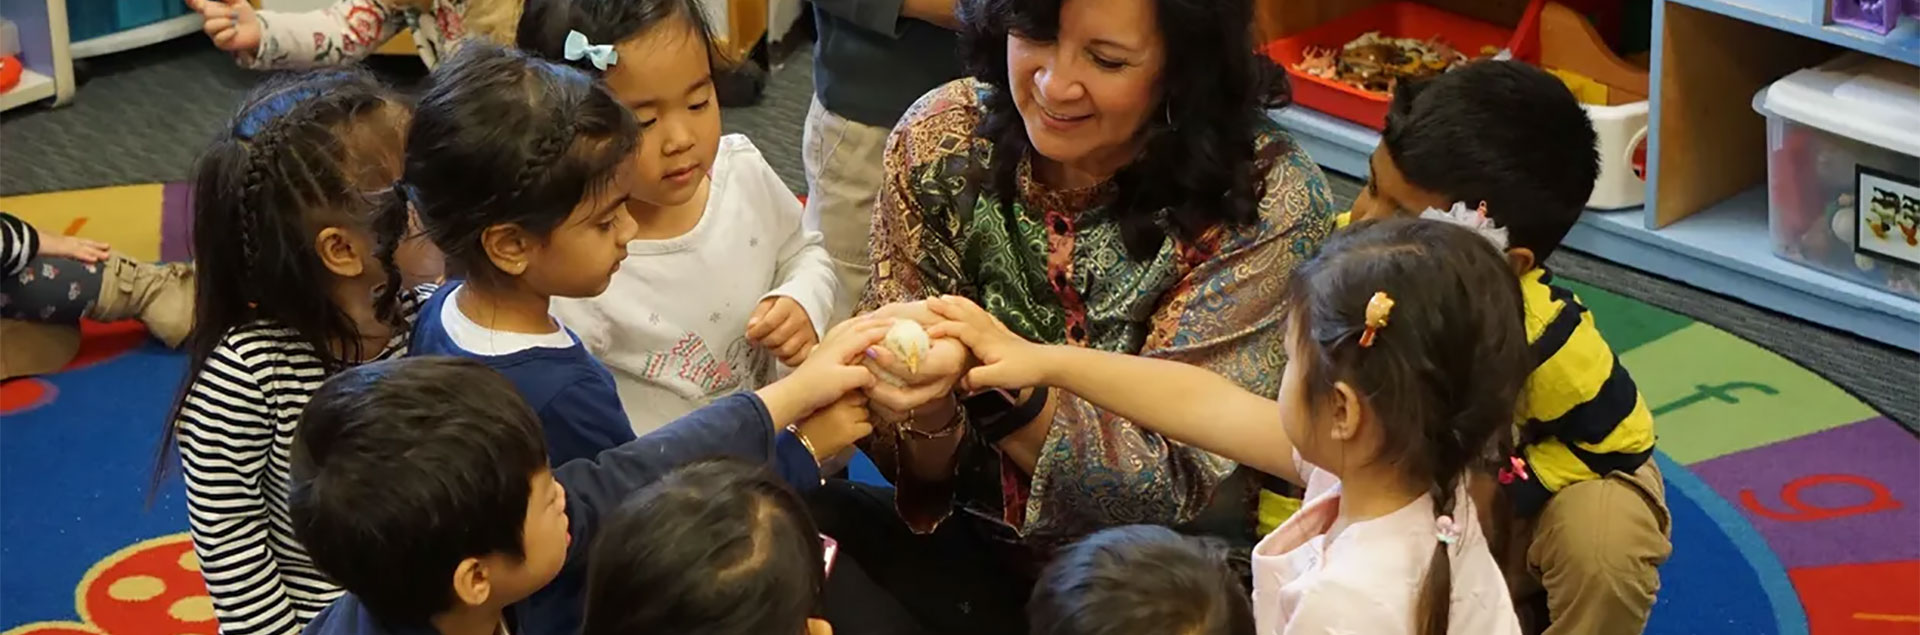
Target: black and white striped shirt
<point>19,243</point>
<point>236,434</point>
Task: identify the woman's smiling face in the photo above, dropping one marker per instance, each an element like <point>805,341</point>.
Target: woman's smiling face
<point>1085,94</point>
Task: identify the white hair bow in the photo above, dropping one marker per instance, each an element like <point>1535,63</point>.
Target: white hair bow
<point>601,55</point>
<point>1474,219</point>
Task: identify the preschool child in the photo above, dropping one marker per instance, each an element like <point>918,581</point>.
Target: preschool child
<point>1593,526</point>
<point>49,281</point>
<point>721,281</point>
<point>290,291</point>
<point>347,31</point>
<point>423,488</point>
<point>719,547</point>
<point>515,167</point>
<point>1140,579</point>
<point>1405,357</point>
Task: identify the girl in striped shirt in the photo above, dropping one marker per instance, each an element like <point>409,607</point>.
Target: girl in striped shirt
<point>291,291</point>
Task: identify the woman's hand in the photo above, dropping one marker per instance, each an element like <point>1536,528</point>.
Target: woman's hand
<point>830,372</point>
<point>1006,360</point>
<point>72,247</point>
<point>942,367</point>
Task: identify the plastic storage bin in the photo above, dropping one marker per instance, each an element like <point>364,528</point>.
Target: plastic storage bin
<point>1843,170</point>
<point>1622,132</point>
<point>1393,19</point>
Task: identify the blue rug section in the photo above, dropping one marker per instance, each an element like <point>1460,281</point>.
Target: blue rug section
<point>73,480</point>
<point>1708,585</point>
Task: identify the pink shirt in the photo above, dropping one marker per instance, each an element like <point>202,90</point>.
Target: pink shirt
<point>1318,574</point>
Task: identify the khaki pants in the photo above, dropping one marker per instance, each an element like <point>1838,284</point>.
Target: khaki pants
<point>1596,550</point>
<point>844,174</point>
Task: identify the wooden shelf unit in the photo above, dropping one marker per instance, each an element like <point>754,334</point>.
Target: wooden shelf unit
<point>1705,223</point>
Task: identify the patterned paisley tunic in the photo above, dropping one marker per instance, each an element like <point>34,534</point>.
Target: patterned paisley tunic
<point>1053,267</point>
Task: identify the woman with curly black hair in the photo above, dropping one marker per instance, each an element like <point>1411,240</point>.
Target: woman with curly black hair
<point>1111,180</point>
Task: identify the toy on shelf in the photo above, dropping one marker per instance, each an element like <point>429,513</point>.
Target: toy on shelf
<point>1402,35</point>
<point>1876,16</point>
<point>9,73</point>
<point>1375,63</point>
<point>1614,92</point>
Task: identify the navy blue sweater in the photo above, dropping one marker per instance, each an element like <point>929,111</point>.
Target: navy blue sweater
<point>572,393</point>
<point>735,426</point>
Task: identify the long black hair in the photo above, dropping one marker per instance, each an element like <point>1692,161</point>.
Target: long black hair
<point>304,152</point>
<point>502,137</point>
<point>719,547</point>
<point>1198,164</point>
<point>544,25</point>
<point>1444,376</point>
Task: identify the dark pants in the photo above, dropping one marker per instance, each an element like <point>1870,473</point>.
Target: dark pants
<point>51,291</point>
<point>888,581</point>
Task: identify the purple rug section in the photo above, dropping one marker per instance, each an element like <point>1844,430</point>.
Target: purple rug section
<point>176,222</point>
<point>1848,495</point>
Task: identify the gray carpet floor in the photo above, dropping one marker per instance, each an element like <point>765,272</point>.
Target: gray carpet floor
<point>143,116</point>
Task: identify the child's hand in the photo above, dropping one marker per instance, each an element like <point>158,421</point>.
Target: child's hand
<point>230,23</point>
<point>781,326</point>
<point>1006,360</point>
<point>831,371</point>
<point>833,429</point>
<point>72,247</point>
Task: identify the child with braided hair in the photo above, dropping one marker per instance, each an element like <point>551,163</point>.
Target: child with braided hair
<point>1406,353</point>
<point>518,170</point>
<point>290,291</point>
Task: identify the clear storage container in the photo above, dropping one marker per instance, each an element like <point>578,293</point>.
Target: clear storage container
<point>1843,170</point>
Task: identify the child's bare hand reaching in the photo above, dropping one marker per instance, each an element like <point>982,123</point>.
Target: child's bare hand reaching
<point>1007,361</point>
<point>833,429</point>
<point>831,371</point>
<point>781,326</point>
<point>74,247</point>
<point>230,23</point>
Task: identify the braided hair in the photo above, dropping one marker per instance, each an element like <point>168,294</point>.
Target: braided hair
<point>1447,368</point>
<point>501,137</point>
<point>304,152</point>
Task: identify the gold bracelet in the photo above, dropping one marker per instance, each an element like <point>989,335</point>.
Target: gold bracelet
<point>794,429</point>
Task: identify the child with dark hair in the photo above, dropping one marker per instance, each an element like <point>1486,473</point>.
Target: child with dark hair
<point>423,487</point>
<point>1140,579</point>
<point>720,281</point>
<point>284,205</point>
<point>719,547</point>
<point>1593,522</point>
<point>1406,353</point>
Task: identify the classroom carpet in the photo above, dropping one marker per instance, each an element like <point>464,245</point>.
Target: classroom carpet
<point>1794,504</point>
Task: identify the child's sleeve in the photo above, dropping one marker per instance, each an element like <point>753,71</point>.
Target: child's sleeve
<point>803,271</point>
<point>340,34</point>
<point>582,420</point>
<point>19,243</point>
<point>735,426</point>
<point>225,436</point>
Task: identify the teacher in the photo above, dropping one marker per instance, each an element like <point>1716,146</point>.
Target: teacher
<point>1109,179</point>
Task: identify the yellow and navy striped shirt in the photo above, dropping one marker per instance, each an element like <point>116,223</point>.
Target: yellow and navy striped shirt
<point>1581,414</point>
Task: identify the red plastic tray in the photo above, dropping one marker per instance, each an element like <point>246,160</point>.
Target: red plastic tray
<point>1394,19</point>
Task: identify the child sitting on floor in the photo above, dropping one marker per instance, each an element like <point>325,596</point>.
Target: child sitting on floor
<point>49,281</point>
<point>1593,525</point>
<point>289,292</point>
<point>1405,357</point>
<point>1140,579</point>
<point>714,548</point>
<point>422,486</point>
<point>721,281</point>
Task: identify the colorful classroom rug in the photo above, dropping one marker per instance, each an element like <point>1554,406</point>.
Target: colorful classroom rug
<point>1795,506</point>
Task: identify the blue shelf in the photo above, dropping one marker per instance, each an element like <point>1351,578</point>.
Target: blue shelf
<point>1727,249</point>
<point>1807,19</point>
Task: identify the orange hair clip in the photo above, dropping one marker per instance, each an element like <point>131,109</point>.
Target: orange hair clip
<point>1378,308</point>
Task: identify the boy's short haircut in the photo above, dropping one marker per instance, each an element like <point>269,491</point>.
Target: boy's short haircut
<point>1141,579</point>
<point>1506,133</point>
<point>404,468</point>
<point>718,547</point>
